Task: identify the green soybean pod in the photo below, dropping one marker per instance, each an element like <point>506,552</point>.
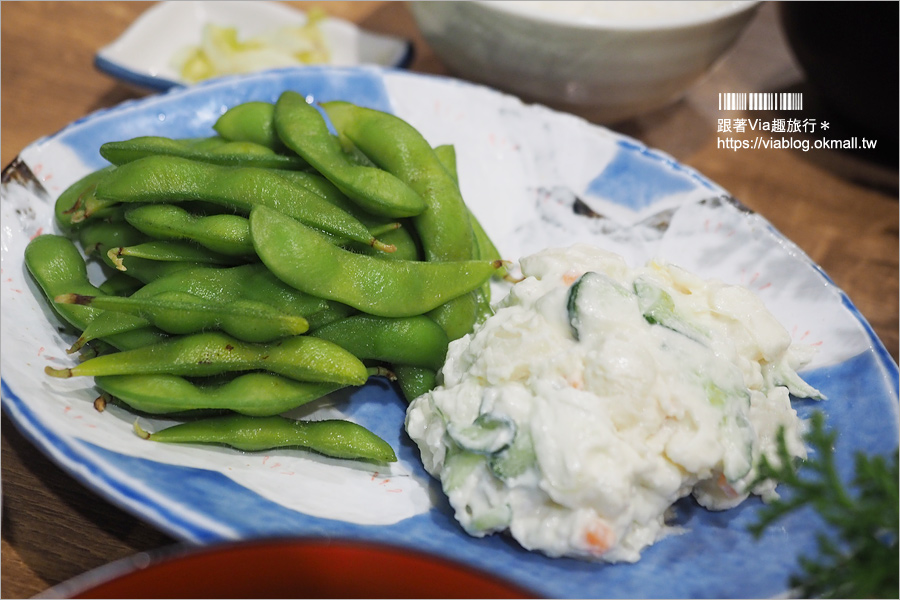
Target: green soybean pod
<point>414,381</point>
<point>202,282</point>
<point>252,394</point>
<point>335,438</point>
<point>305,260</point>
<point>58,268</point>
<point>317,184</point>
<point>143,269</point>
<point>397,147</point>
<point>181,312</point>
<point>484,246</point>
<point>104,325</point>
<point>224,234</point>
<point>300,357</point>
<point>401,238</point>
<point>251,121</point>
<point>229,234</point>
<point>485,250</point>
<point>158,277</point>
<point>443,228</point>
<point>377,225</point>
<point>416,341</point>
<point>119,284</point>
<point>237,154</point>
<point>446,153</point>
<point>206,144</point>
<point>250,282</point>
<point>168,251</point>
<point>107,234</point>
<point>56,265</point>
<point>174,179</point>
<point>483,307</point>
<point>458,316</point>
<point>303,129</point>
<point>78,203</point>
<point>222,154</point>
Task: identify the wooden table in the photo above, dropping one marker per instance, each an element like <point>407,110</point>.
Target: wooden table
<point>840,209</point>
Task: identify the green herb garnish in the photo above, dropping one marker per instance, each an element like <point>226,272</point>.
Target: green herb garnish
<point>860,559</point>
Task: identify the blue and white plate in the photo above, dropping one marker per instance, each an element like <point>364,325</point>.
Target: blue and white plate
<point>142,56</point>
<point>534,178</point>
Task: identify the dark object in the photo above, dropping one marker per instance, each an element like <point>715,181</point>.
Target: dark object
<point>848,51</point>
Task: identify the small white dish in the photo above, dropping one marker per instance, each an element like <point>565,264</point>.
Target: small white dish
<point>143,56</point>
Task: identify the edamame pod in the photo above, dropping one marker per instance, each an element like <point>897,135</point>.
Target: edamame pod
<point>301,357</point>
<point>458,316</point>
<point>252,394</point>
<point>401,238</point>
<point>78,202</point>
<point>234,154</point>
<point>58,268</point>
<point>335,438</point>
<point>443,228</point>
<point>206,144</point>
<point>251,282</point>
<point>55,264</point>
<point>142,269</point>
<point>416,341</point>
<point>174,179</point>
<point>317,184</point>
<point>149,272</point>
<point>303,130</point>
<point>446,153</point>
<point>181,312</point>
<point>305,260</point>
<point>250,122</point>
<point>397,147</point>
<point>108,234</point>
<point>455,317</point>
<point>484,246</point>
<point>119,284</point>
<point>377,225</point>
<point>414,381</point>
<point>225,234</point>
<point>168,251</point>
<point>484,249</point>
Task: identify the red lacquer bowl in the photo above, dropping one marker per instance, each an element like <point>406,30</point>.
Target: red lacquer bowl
<point>287,569</point>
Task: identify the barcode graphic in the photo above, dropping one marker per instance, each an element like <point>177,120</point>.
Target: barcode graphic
<point>760,101</point>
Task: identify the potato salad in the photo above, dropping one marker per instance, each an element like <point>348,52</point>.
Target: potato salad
<point>597,395</point>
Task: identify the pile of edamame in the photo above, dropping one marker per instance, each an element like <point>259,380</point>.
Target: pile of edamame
<point>265,266</point>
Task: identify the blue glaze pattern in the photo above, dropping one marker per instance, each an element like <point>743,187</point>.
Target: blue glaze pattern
<point>637,178</point>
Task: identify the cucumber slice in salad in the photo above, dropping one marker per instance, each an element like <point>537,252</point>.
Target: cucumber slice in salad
<point>595,297</point>
<point>488,434</point>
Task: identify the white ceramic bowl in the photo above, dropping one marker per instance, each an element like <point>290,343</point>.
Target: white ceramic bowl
<point>142,57</point>
<point>619,60</point>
